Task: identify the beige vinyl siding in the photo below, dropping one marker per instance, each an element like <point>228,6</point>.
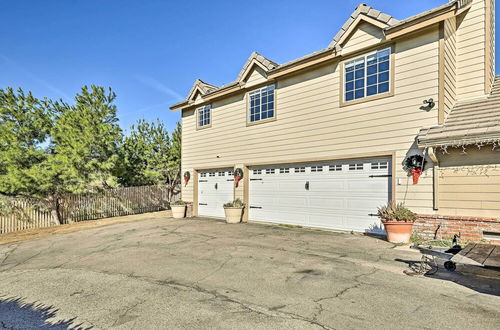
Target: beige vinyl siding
<point>450,66</point>
<point>256,77</point>
<point>365,35</point>
<point>311,125</point>
<point>470,40</point>
<point>470,182</point>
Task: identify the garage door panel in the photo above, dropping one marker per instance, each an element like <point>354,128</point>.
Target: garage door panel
<point>215,188</point>
<point>326,203</point>
<point>339,195</point>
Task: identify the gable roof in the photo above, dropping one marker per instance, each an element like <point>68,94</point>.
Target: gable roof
<point>362,13</point>
<point>467,123</point>
<point>391,27</point>
<point>256,59</point>
<point>202,87</point>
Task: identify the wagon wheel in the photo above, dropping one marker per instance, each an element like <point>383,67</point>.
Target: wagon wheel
<point>450,266</point>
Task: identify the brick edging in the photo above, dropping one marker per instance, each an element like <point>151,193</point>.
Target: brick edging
<point>424,217</point>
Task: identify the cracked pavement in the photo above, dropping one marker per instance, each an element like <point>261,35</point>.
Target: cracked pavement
<point>205,274</point>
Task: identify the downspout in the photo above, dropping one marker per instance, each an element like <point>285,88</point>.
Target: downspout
<point>435,177</point>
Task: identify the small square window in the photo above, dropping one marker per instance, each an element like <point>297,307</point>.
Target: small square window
<point>355,167</point>
<point>336,167</point>
<point>269,170</point>
<point>222,173</point>
<point>299,169</point>
<point>203,175</point>
<point>211,174</point>
<point>316,168</point>
<point>257,171</point>
<point>230,173</point>
<point>285,170</point>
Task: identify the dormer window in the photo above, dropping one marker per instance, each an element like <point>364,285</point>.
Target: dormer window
<point>261,104</point>
<point>204,116</point>
<point>367,76</point>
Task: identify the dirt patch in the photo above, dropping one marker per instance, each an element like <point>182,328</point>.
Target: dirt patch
<point>35,233</point>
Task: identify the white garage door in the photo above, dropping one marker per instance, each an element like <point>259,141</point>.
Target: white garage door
<point>335,195</point>
<point>215,187</point>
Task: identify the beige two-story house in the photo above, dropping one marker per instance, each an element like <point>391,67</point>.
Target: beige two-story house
<point>322,140</point>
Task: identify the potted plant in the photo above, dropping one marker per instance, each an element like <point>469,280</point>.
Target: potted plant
<point>398,221</point>
<point>178,209</point>
<point>234,211</point>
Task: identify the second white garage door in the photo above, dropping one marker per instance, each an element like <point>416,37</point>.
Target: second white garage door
<point>215,188</point>
<point>335,195</point>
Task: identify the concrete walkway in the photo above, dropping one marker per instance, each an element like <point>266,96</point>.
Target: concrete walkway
<point>205,274</point>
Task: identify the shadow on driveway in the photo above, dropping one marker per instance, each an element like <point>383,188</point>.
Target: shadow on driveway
<point>479,279</point>
<point>16,314</point>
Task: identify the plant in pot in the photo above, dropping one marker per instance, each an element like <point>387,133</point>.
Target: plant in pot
<point>234,211</point>
<point>398,221</point>
<point>178,209</point>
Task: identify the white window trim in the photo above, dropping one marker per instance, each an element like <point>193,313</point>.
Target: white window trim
<point>248,102</point>
<point>198,126</point>
<point>374,96</point>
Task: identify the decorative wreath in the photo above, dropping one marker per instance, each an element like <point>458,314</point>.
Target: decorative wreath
<point>414,162</point>
<point>414,165</point>
<point>238,172</point>
<point>187,176</point>
<point>238,175</point>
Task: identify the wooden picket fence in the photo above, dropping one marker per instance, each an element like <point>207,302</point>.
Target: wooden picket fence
<point>110,203</point>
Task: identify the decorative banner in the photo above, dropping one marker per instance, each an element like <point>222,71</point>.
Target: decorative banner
<point>187,176</point>
<point>238,175</point>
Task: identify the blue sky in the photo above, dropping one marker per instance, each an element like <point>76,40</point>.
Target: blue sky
<point>150,51</point>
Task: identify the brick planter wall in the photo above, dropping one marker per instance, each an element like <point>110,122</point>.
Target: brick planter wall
<point>444,227</point>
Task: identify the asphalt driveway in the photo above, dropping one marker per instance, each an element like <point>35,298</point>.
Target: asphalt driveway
<point>203,273</point>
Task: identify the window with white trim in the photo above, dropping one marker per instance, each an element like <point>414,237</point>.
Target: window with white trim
<point>269,170</point>
<point>222,173</point>
<point>284,170</point>
<point>261,104</point>
<point>230,173</point>
<point>257,171</point>
<point>367,76</point>
<point>203,175</point>
<point>204,116</point>
<point>211,174</point>
<point>299,169</point>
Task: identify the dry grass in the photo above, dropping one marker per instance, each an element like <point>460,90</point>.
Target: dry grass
<point>36,233</point>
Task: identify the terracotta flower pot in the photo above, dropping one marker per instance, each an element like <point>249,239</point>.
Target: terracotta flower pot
<point>233,214</point>
<point>178,211</point>
<point>398,231</point>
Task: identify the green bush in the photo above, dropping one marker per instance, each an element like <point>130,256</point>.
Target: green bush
<point>180,202</point>
<point>396,211</point>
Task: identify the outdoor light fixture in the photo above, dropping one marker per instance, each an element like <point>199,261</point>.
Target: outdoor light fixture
<point>430,103</point>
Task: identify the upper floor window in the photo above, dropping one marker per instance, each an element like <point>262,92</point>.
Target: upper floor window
<point>367,76</point>
<point>261,104</point>
<point>204,116</point>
